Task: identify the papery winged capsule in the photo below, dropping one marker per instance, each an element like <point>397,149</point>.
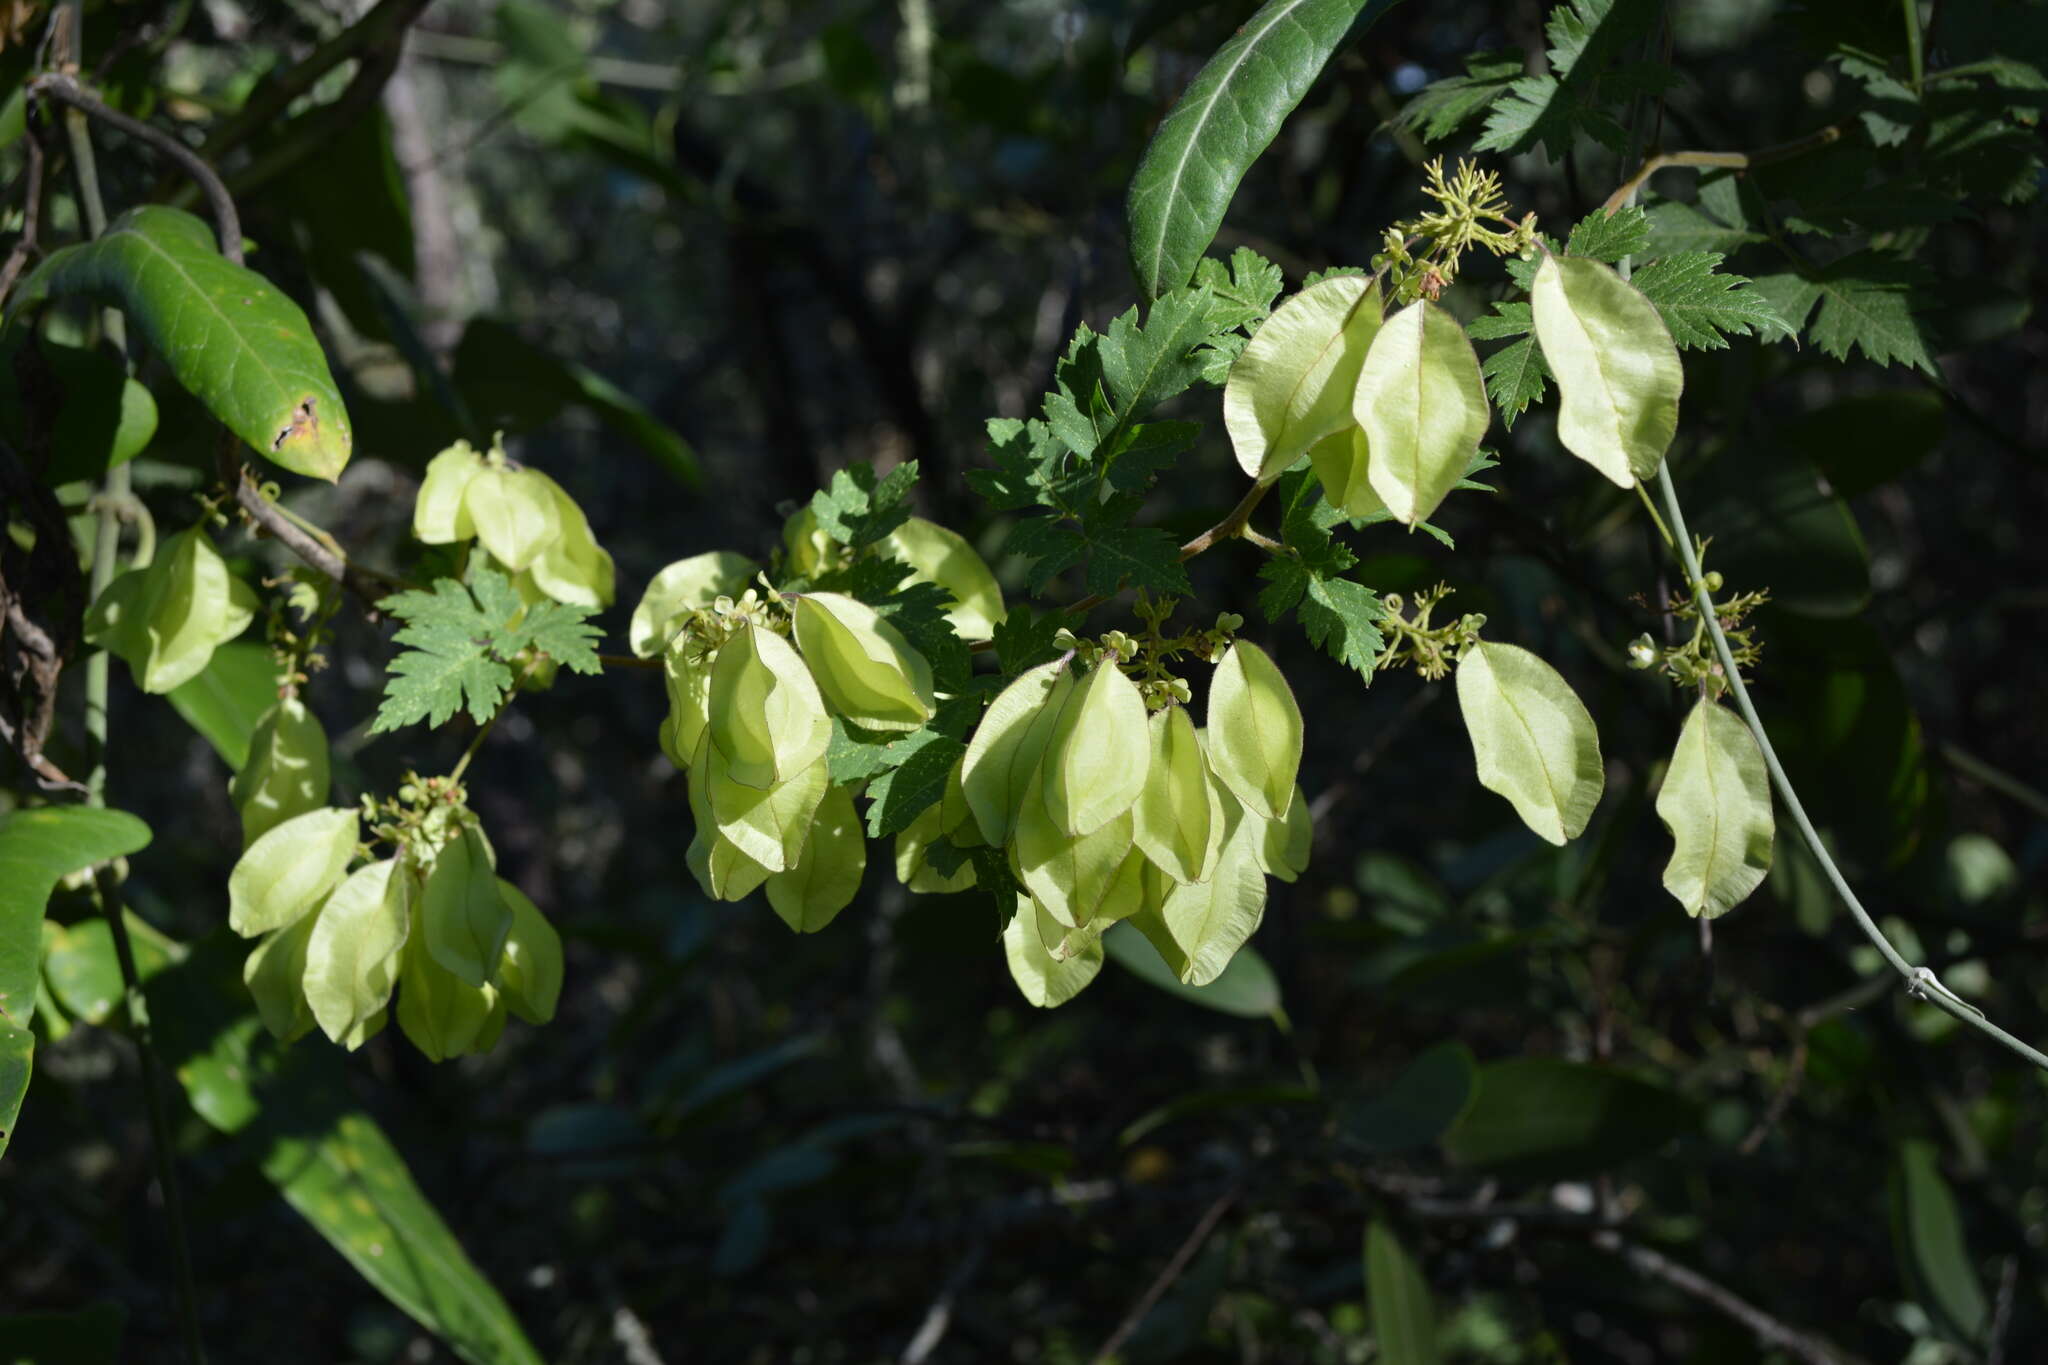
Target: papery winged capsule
<point>351,955</point>
<point>1075,877</point>
<point>1043,979</point>
<point>275,973</point>
<point>464,919</point>
<point>439,516</point>
<point>938,555</point>
<point>530,974</point>
<point>1097,756</point>
<point>1422,405</point>
<point>825,878</point>
<point>439,1012</point>
<point>686,670</point>
<point>765,716</point>
<point>1254,730</point>
<point>286,773</point>
<point>166,619</point>
<point>1178,818</point>
<point>572,567</point>
<point>948,819</point>
<point>514,514</point>
<point>1287,842</point>
<point>721,869</point>
<point>864,667</point>
<point>1618,374</point>
<point>1003,756</point>
<point>290,869</point>
<point>683,587</point>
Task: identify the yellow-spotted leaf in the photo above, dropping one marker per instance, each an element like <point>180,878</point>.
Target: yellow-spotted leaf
<point>811,894</point>
<point>1254,730</point>
<point>1178,819</point>
<point>683,587</point>
<point>1618,374</point>
<point>463,918</point>
<point>1045,980</point>
<point>1004,754</point>
<point>286,774</point>
<point>352,953</point>
<point>1097,757</point>
<point>1292,385</point>
<point>530,974</point>
<point>938,555</point>
<point>290,870</point>
<point>1532,739</point>
<point>866,670</point>
<point>764,714</point>
<point>1422,404</point>
<point>439,516</point>
<point>1716,801</point>
<point>1343,465</point>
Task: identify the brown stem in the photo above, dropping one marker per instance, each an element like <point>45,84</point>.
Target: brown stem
<point>1769,1331</point>
<point>367,584</point>
<point>1736,161</point>
<point>65,89</point>
<point>1173,1271</point>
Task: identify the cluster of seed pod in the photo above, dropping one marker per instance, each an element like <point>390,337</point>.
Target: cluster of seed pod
<point>462,948</point>
<point>1107,813</point>
<point>522,517</point>
<point>165,618</point>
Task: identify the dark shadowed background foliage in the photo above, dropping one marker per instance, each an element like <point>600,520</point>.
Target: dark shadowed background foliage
<point>693,257</point>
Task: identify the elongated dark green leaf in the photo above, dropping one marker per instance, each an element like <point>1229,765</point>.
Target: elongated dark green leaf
<point>102,417</point>
<point>1246,988</point>
<point>1543,1118</point>
<point>1226,117</point>
<point>1403,1319</point>
<point>227,334</point>
<point>37,849</point>
<point>1424,1100</point>
<point>1927,1230</point>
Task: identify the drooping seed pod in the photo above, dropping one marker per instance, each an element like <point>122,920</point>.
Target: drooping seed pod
<point>286,773</point>
<point>438,514</point>
<point>530,974</point>
<point>949,820</point>
<point>1618,374</point>
<point>462,917</point>
<point>1716,802</point>
<point>275,973</point>
<point>687,673</point>
<point>1044,980</point>
<point>1074,877</point>
<point>1003,756</point>
<point>1286,843</point>
<point>825,879</point>
<point>938,555</point>
<point>1422,405</point>
<point>1097,756</point>
<point>764,714</point>
<point>288,871</point>
<point>1178,818</point>
<point>1254,730</point>
<point>1292,385</point>
<point>681,588</point>
<point>573,567</point>
<point>165,620</point>
<point>1533,741</point>
<point>514,514</point>
<point>352,953</point>
<point>769,825</point>
<point>1343,464</point>
<point>1209,921</point>
<point>864,667</point>
<point>721,869</point>
<point>439,1012</point>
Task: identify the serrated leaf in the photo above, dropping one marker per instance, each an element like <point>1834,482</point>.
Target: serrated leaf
<point>1444,106</point>
<point>915,782</point>
<point>1242,293</point>
<point>229,336</point>
<point>1585,38</point>
<point>1698,303</point>
<point>1341,618</point>
<point>1516,376</point>
<point>460,641</point>
<point>1135,557</point>
<point>857,509</point>
<point>1604,236</point>
<point>1866,304</point>
<point>1676,227</point>
<point>1226,117</point>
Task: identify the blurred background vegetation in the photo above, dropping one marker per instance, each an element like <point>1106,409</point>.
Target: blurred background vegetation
<point>693,257</point>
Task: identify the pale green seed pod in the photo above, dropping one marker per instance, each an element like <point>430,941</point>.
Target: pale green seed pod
<point>463,920</point>
<point>681,588</point>
<point>573,567</point>
<point>1292,385</point>
<point>1178,818</point>
<point>1422,404</point>
<point>438,1011</point>
<point>275,973</point>
<point>165,620</point>
<point>1209,921</point>
<point>825,880</point>
<point>530,974</point>
<point>243,604</point>
<point>289,870</point>
<point>438,514</point>
<point>1254,730</point>
<point>1047,981</point>
<point>352,953</point>
<point>771,825</point>
<point>1149,919</point>
<point>1285,844</point>
<point>286,773</point>
<point>1003,757</point>
<point>1533,741</point>
<point>687,672</point>
<point>1618,374</point>
<point>866,670</point>
<point>1075,877</point>
<point>1716,802</point>
<point>938,555</point>
<point>1096,759</point>
<point>947,819</point>
<point>514,514</point>
<point>804,546</point>
<point>1343,464</point>
<point>725,873</point>
<point>494,1027</point>
<point>764,715</point>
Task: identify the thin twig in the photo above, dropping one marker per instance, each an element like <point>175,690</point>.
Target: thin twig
<point>1736,161</point>
<point>1174,1269</point>
<point>1769,1331</point>
<point>1997,780</point>
<point>26,245</point>
<point>65,89</point>
<point>939,1317</point>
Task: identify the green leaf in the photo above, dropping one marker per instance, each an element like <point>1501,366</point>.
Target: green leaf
<point>462,641</point>
<point>102,418</point>
<point>225,700</point>
<point>1551,109</point>
<point>1618,375</point>
<point>1246,987</point>
<point>1676,227</point>
<point>84,972</point>
<point>1532,739</point>
<point>1446,105</point>
<point>1866,303</point>
<point>1716,801</point>
<point>1776,527</point>
<point>1698,303</point>
<point>1543,1118</point>
<point>1403,1319</point>
<point>914,782</point>
<point>857,509</point>
<point>228,335</point>
<point>1927,1231</point>
<point>1421,1104</point>
<point>1342,618</point>
<point>1604,236</point>
<point>1226,117</point>
<point>1241,293</point>
<point>1516,376</point>
<point>38,848</point>
<point>1422,405</point>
